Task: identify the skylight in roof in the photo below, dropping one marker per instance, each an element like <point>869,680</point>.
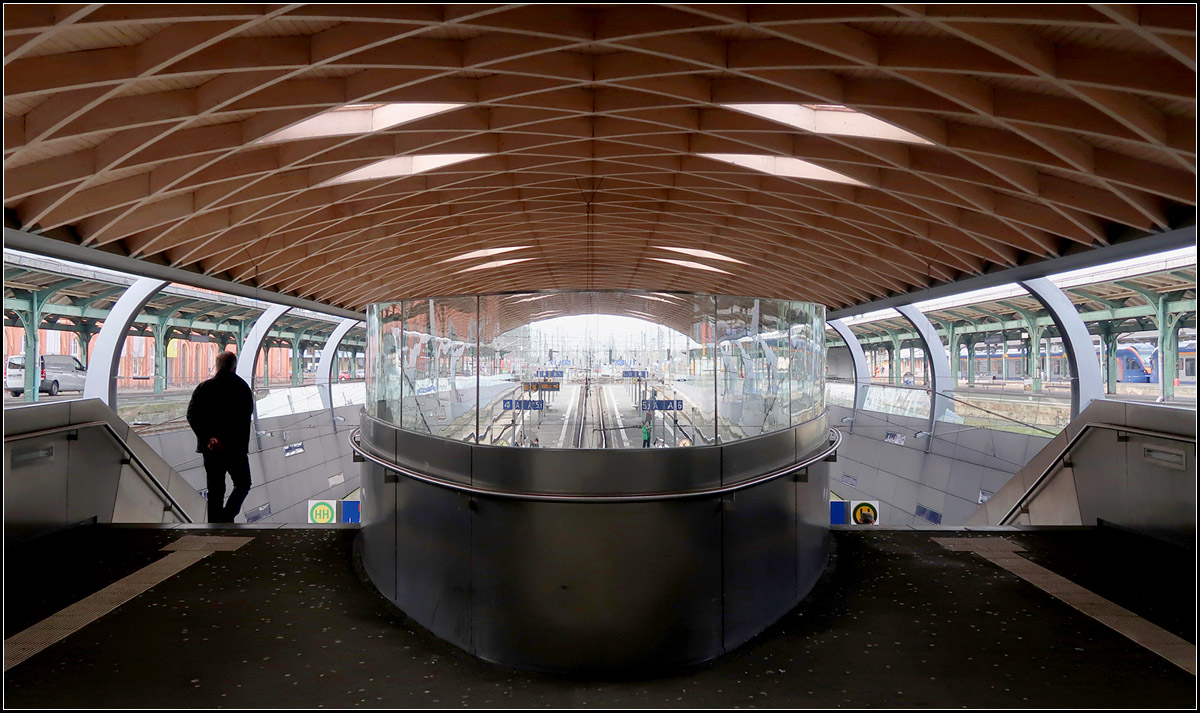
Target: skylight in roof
<point>651,297</point>
<point>696,252</point>
<point>831,119</point>
<point>486,252</point>
<point>401,166</point>
<point>692,265</point>
<point>356,119</point>
<point>493,263</point>
<point>783,166</point>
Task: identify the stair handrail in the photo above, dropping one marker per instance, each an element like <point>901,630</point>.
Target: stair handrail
<point>1086,429</point>
<point>133,457</point>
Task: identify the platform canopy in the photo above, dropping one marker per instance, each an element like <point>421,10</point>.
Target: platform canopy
<point>841,154</point>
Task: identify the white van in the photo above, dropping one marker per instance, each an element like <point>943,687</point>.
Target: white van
<point>58,372</point>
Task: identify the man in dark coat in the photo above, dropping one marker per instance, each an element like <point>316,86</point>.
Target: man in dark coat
<point>219,414</point>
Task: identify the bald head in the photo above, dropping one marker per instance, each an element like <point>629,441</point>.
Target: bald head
<point>226,361</point>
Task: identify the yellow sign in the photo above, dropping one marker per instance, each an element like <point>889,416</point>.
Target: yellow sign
<point>173,349</point>
<point>865,513</point>
<point>322,512</point>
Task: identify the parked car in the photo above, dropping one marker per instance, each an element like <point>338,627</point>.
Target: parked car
<point>58,373</point>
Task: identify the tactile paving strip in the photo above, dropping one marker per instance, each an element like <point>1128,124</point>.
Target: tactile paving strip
<point>184,552</point>
<point>1003,553</point>
<point>211,543</point>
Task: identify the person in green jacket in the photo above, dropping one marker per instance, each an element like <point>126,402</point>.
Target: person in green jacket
<point>645,435</point>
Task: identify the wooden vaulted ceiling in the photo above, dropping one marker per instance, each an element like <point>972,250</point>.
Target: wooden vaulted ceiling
<point>133,128</point>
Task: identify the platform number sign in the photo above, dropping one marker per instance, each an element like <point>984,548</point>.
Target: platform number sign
<point>322,512</point>
<point>864,512</point>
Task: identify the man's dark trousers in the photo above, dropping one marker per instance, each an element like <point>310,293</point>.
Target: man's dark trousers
<point>215,467</point>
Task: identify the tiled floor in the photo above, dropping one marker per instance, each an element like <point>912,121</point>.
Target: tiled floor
<point>898,621</point>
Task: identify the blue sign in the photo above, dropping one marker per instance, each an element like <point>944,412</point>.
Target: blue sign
<point>550,374</point>
<point>565,362</point>
<point>522,405</point>
<point>350,510</point>
<point>662,405</point>
<point>633,374</point>
<point>619,362</point>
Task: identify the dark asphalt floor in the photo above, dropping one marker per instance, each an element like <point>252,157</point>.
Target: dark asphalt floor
<point>897,622</point>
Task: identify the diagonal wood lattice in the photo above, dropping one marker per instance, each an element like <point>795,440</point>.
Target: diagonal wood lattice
<point>147,129</point>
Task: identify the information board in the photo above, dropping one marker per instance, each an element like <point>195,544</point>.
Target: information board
<point>522,405</point>
<point>662,404</point>
<point>540,386</point>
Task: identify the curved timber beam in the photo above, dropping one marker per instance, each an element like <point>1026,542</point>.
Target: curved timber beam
<point>101,382</point>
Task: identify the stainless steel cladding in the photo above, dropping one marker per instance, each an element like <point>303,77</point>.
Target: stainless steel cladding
<point>533,559</point>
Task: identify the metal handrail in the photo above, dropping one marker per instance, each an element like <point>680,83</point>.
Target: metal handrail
<point>600,417</point>
<point>834,443</point>
<point>582,413</point>
<point>947,396</point>
<point>1062,454</point>
<point>133,457</point>
<point>997,415</point>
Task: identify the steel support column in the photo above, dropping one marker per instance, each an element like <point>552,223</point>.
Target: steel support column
<point>328,357</point>
<point>942,380</point>
<point>862,376</point>
<point>101,382</point>
<point>1086,385</point>
<point>248,350</point>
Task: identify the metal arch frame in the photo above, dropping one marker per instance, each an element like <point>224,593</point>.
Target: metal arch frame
<point>101,381</point>
<point>1086,383</point>
<point>254,341</point>
<point>862,376</point>
<point>939,366</point>
<point>324,375</point>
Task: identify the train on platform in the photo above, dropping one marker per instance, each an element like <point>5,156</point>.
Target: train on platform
<point>1137,363</point>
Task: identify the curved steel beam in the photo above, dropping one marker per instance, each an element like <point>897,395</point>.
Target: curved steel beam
<point>862,376</point>
<point>248,350</point>
<point>1086,384</point>
<point>328,357</point>
<point>101,381</point>
<point>939,365</point>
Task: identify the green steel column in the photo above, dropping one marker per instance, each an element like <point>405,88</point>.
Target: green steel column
<point>161,334</point>
<point>1035,354</point>
<point>952,339</point>
<point>87,328</point>
<point>1108,343</point>
<point>1168,356</point>
<point>1004,356</point>
<point>33,377</point>
<point>266,362</point>
<point>297,368</point>
<point>31,320</point>
<point>970,342</point>
<point>896,370</point>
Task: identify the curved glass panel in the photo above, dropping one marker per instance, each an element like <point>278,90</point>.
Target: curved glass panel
<point>595,369</point>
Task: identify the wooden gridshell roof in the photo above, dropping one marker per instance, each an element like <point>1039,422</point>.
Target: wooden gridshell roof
<point>1036,129</point>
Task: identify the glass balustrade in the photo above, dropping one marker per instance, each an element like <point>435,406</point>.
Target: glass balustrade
<point>595,369</point>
